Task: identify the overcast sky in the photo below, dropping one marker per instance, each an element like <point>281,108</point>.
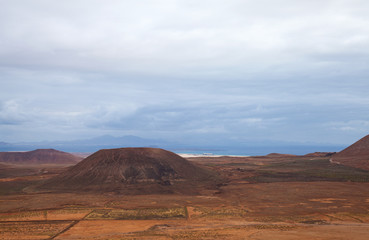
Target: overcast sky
<point>208,70</point>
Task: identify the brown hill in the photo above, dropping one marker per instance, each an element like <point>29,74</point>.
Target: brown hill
<point>319,154</point>
<point>39,156</point>
<point>133,171</point>
<point>279,155</point>
<point>356,155</point>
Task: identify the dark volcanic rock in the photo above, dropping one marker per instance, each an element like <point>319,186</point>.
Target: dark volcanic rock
<point>356,155</point>
<point>39,156</point>
<point>132,170</point>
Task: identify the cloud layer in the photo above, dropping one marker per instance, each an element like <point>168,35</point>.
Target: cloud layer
<point>207,71</point>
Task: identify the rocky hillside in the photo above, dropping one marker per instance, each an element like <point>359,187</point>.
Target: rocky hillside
<point>356,155</point>
<point>134,170</point>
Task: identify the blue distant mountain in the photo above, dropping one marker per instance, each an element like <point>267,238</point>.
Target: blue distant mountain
<point>225,148</point>
<point>86,145</point>
<point>107,140</point>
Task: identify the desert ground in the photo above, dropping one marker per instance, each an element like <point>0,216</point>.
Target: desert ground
<point>269,197</point>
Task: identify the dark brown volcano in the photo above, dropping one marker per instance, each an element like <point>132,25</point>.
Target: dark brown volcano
<point>39,156</point>
<point>132,170</point>
<point>356,155</point>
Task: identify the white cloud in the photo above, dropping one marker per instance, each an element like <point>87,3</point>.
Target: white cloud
<point>179,37</point>
<point>352,125</point>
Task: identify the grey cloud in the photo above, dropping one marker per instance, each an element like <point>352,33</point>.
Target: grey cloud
<point>10,113</point>
<point>235,69</point>
<point>112,36</point>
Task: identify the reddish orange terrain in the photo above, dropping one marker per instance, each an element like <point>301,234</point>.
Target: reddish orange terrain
<point>155,194</point>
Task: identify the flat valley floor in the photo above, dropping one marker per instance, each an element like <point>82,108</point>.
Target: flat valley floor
<point>272,197</point>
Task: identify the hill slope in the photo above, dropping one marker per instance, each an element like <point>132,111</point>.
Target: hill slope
<point>39,156</point>
<point>356,155</point>
<point>132,170</point>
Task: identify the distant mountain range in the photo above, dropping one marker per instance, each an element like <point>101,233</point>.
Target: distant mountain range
<point>85,145</point>
<point>219,148</point>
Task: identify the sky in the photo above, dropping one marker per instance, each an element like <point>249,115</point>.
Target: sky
<point>183,70</point>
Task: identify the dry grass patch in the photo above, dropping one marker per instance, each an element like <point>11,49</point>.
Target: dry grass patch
<point>138,214</point>
<point>24,216</point>
<point>59,214</point>
<point>67,214</point>
<point>205,234</point>
<point>114,229</point>
<point>31,230</point>
<point>223,212</point>
<point>349,217</point>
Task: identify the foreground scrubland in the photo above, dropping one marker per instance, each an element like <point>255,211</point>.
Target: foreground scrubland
<point>280,197</point>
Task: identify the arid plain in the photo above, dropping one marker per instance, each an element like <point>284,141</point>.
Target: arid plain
<point>266,197</point>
